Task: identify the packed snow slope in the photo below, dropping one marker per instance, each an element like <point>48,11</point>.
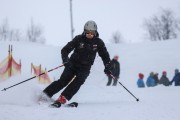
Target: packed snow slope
<point>96,100</point>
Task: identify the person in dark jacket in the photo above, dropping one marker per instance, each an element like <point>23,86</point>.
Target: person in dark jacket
<point>77,67</point>
<point>156,79</point>
<point>176,78</point>
<point>164,80</point>
<point>140,82</point>
<point>115,69</point>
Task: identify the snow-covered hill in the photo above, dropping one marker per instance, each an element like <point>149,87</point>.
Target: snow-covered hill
<point>96,101</point>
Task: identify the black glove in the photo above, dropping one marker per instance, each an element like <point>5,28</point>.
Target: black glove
<point>67,62</point>
<point>107,69</point>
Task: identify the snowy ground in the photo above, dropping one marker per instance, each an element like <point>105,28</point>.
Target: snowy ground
<point>96,101</point>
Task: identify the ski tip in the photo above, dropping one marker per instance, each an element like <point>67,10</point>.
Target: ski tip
<point>137,100</point>
<point>73,104</point>
<point>56,105</point>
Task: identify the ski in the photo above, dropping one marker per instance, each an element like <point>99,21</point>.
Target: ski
<point>58,105</point>
<point>73,104</point>
<point>44,99</point>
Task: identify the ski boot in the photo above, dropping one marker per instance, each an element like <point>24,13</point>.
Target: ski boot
<point>59,101</point>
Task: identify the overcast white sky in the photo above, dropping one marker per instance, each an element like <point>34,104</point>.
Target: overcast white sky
<point>125,16</point>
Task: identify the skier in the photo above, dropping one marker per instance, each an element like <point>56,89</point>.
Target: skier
<point>84,47</point>
<point>115,71</point>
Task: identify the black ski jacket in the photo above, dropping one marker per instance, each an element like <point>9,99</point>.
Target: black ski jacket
<point>115,68</point>
<point>84,51</point>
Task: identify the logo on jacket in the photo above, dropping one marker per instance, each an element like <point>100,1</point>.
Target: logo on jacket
<point>81,45</point>
<point>94,47</point>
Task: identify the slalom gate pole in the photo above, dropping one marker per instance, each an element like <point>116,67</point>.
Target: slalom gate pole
<point>125,88</point>
<point>32,77</point>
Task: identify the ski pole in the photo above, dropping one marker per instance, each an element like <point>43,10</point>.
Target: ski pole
<point>32,77</point>
<point>125,88</point>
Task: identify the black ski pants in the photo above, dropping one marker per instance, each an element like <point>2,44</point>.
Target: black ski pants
<point>73,86</point>
<point>110,81</point>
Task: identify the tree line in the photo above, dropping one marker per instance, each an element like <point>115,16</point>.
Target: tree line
<point>161,26</point>
<point>34,33</point>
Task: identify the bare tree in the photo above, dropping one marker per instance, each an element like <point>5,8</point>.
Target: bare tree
<point>15,35</point>
<point>4,30</point>
<point>162,27</point>
<point>8,34</point>
<point>116,37</point>
<point>34,33</point>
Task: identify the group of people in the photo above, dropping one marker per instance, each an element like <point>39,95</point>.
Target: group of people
<point>153,79</point>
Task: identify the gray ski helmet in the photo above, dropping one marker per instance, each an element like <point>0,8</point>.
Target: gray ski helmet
<point>90,26</point>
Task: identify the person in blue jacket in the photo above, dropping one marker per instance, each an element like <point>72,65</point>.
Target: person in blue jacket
<point>140,82</point>
<point>150,80</point>
<point>176,78</point>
